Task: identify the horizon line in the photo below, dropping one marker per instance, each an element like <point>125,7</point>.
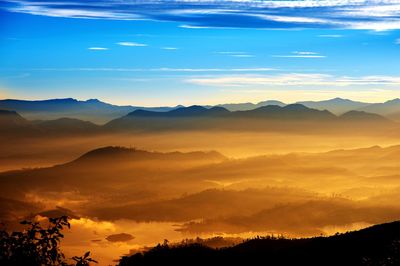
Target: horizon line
<point>188,105</point>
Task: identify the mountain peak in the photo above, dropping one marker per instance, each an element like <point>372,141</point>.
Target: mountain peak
<point>93,101</point>
<point>338,99</point>
<point>393,101</point>
<point>11,118</point>
<point>191,110</point>
<point>60,100</point>
<point>296,107</point>
<point>271,102</point>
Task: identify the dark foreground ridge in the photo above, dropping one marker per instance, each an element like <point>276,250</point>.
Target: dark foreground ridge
<point>376,245</point>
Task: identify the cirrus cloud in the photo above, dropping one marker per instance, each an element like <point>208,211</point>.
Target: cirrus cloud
<point>98,48</point>
<point>132,44</point>
<point>193,14</point>
<point>293,79</point>
<point>297,54</point>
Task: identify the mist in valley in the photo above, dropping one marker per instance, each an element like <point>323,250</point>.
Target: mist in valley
<point>142,188</point>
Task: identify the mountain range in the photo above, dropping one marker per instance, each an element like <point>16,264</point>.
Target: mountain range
<point>270,117</point>
<point>336,105</point>
<point>100,112</point>
<point>92,109</point>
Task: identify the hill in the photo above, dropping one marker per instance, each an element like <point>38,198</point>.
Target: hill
<point>116,155</point>
<point>376,245</point>
<point>115,169</point>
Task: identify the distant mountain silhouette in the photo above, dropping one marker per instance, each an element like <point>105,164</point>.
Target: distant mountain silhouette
<point>362,116</point>
<point>12,118</point>
<point>292,117</point>
<point>337,106</point>
<point>100,112</point>
<point>198,117</point>
<point>13,124</point>
<point>249,106</point>
<point>67,126</point>
<point>376,245</point>
<point>289,112</point>
<point>92,110</point>
<point>389,109</point>
<point>292,111</point>
<point>192,111</point>
<point>115,154</point>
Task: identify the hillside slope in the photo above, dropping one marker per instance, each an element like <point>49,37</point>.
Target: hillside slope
<point>376,245</point>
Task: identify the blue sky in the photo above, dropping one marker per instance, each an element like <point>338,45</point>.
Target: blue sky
<point>200,52</point>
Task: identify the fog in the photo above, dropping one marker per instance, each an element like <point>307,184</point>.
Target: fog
<point>149,187</point>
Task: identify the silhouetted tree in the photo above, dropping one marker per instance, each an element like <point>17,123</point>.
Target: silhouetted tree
<point>84,260</point>
<point>37,246</point>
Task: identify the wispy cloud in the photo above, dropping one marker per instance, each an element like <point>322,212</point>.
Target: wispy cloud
<point>397,41</point>
<point>305,53</point>
<point>162,69</point>
<point>294,79</point>
<point>350,14</point>
<point>170,48</point>
<point>242,55</point>
<point>298,54</point>
<point>132,44</point>
<point>330,36</point>
<point>193,27</point>
<point>235,54</point>
<point>98,48</point>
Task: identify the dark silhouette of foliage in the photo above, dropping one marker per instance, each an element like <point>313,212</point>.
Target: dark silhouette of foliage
<point>378,245</point>
<point>85,260</point>
<point>37,245</point>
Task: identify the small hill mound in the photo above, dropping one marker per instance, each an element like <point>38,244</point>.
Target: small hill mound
<point>361,116</point>
<point>116,154</point>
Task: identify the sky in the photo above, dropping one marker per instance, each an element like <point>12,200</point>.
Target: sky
<point>158,53</point>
